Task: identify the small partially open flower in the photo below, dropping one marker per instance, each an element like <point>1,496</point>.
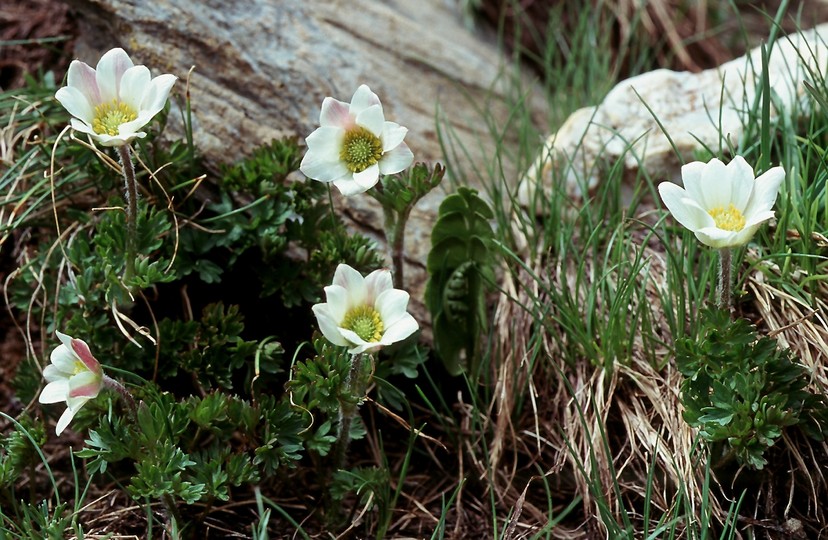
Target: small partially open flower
<point>364,313</point>
<point>722,205</point>
<point>74,376</point>
<point>354,144</point>
<point>115,100</point>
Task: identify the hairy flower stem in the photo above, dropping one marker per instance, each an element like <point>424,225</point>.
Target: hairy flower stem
<point>131,210</point>
<point>112,384</point>
<point>347,410</point>
<point>725,270</point>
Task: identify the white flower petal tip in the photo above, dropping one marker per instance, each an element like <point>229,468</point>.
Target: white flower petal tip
<point>115,100</point>
<point>723,205</point>
<point>354,144</point>
<point>364,313</point>
<point>74,376</point>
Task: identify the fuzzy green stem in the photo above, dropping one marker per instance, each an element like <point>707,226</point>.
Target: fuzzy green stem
<point>725,270</point>
<point>131,195</point>
<point>112,384</point>
<point>347,411</point>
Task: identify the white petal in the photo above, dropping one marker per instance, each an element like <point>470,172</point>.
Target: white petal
<point>744,236</point>
<point>82,77</point>
<point>403,328</point>
<point>392,305</point>
<point>51,374</point>
<point>372,119</point>
<point>109,71</point>
<point>691,178</point>
<point>348,187</point>
<point>64,358</point>
<point>683,208</point>
<point>396,160</point>
<point>64,420</point>
<point>134,84</point>
<point>159,91</point>
<point>353,282</point>
<point>55,392</point>
<point>392,135</point>
<point>758,218</point>
<point>368,178</point>
<point>742,182</point>
<point>76,103</point>
<point>765,191</point>
<point>83,127</point>
<point>376,283</point>
<point>335,113</point>
<point>362,99</point>
<point>359,344</point>
<point>715,185</point>
<point>326,142</point>
<point>328,326</point>
<point>128,129</point>
<point>319,168</point>
<point>717,238</point>
<point>338,302</point>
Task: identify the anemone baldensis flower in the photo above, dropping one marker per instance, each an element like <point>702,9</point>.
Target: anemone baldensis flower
<point>354,144</point>
<point>722,204</point>
<point>115,100</point>
<point>364,313</point>
<point>74,376</point>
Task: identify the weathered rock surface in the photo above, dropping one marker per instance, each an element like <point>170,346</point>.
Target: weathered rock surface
<point>263,67</point>
<point>694,109</point>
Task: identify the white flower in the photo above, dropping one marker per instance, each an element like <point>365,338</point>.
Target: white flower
<point>74,376</point>
<point>722,205</point>
<point>364,313</point>
<point>115,100</point>
<point>354,144</point>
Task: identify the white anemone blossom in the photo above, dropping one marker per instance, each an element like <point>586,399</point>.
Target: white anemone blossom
<point>74,376</point>
<point>355,144</point>
<point>722,205</point>
<point>364,313</point>
<point>113,101</point>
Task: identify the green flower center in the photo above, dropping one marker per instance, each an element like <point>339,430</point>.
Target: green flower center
<point>109,116</point>
<point>729,219</point>
<point>364,321</point>
<point>360,149</point>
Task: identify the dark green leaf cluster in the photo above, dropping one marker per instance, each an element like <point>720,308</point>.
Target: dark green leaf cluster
<point>197,449</point>
<point>459,267</point>
<point>742,390</point>
<point>17,451</point>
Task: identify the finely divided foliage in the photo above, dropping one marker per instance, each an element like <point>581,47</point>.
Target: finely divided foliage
<point>571,379</point>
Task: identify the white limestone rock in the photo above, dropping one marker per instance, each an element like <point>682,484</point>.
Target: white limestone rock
<point>694,109</point>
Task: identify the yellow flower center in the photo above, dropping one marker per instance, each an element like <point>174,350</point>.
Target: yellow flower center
<point>109,116</point>
<point>360,149</point>
<point>79,367</point>
<point>729,219</point>
<point>364,321</point>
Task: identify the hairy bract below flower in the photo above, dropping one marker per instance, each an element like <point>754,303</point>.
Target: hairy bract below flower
<point>74,376</point>
<point>722,205</point>
<point>364,313</point>
<point>115,100</point>
<point>354,144</point>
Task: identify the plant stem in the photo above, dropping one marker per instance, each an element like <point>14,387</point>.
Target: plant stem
<point>396,245</point>
<point>112,384</point>
<point>347,411</point>
<point>725,269</point>
<point>131,210</point>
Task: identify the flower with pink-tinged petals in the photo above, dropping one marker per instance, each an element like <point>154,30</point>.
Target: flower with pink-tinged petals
<point>354,144</point>
<point>74,376</point>
<point>115,100</point>
<point>364,313</point>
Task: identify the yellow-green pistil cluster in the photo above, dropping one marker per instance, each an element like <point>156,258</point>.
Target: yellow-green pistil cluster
<point>728,219</point>
<point>364,321</point>
<point>360,149</point>
<point>110,116</point>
